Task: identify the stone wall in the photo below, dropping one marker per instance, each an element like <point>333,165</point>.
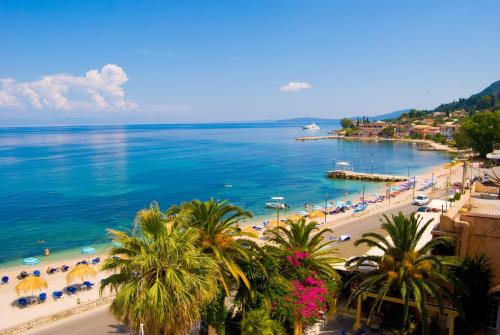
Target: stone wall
<point>20,329</point>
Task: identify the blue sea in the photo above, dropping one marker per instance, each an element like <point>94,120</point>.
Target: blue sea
<point>66,185</point>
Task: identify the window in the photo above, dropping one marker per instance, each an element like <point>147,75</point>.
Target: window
<point>492,316</point>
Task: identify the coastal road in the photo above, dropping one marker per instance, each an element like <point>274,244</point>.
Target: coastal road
<point>96,322</point>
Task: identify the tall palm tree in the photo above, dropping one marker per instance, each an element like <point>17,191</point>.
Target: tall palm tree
<point>219,235</point>
<point>405,269</point>
<point>162,279</point>
<point>308,241</point>
<point>307,237</point>
<point>266,282</point>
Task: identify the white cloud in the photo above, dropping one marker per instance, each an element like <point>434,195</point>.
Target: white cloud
<point>295,86</point>
<point>96,90</point>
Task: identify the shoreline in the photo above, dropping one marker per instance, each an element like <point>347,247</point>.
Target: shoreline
<point>427,145</point>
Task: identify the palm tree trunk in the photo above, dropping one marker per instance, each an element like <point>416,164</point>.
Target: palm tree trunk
<point>297,327</point>
<point>332,307</point>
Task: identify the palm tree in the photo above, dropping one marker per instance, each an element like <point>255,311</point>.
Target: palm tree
<point>307,237</point>
<point>266,282</point>
<point>259,322</point>
<point>476,274</point>
<point>307,241</point>
<point>219,236</point>
<point>162,279</point>
<point>405,269</point>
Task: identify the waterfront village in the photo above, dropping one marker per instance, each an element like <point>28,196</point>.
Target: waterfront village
<point>438,126</point>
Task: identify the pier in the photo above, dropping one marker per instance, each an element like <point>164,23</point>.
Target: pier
<point>346,174</point>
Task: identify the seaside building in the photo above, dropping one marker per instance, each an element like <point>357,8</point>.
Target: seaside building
<point>436,114</point>
<point>448,129</point>
<point>400,130</point>
<point>372,129</point>
<point>428,121</point>
<point>424,130</point>
<point>460,113</point>
<point>474,225</point>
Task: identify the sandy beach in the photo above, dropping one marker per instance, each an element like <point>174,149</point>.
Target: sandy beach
<point>11,315</point>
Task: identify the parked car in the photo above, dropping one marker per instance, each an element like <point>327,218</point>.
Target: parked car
<point>424,210</point>
<point>421,199</point>
<point>345,237</point>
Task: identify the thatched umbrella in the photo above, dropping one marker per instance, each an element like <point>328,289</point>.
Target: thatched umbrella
<point>31,283</point>
<point>81,271</point>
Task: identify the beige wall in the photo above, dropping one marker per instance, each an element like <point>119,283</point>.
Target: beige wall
<point>484,238</point>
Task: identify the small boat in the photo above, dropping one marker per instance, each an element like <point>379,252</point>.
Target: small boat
<point>228,186</point>
<point>312,126</point>
<point>277,203</point>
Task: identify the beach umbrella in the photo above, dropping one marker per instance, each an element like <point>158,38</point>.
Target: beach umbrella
<point>316,214</point>
<point>294,217</point>
<point>81,271</point>
<point>31,261</point>
<point>31,283</point>
<point>249,231</point>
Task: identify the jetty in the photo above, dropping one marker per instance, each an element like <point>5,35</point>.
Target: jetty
<point>346,174</point>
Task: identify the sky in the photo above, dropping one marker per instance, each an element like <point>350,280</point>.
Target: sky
<point>118,62</point>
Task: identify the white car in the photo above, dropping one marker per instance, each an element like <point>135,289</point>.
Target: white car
<point>421,199</point>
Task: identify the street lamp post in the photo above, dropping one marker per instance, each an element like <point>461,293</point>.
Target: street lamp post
<point>326,204</point>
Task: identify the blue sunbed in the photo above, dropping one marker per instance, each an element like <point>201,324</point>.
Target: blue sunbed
<point>42,297</point>
<point>22,302</point>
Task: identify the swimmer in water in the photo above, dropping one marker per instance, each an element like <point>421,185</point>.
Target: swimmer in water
<point>40,241</point>
<point>47,251</point>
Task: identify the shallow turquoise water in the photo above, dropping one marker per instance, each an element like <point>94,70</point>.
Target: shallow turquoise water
<point>66,185</point>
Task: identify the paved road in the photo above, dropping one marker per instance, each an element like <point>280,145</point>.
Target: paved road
<point>95,322</point>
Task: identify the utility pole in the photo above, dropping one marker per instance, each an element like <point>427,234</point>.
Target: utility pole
<point>363,193</point>
<point>432,181</point>
<point>414,182</point>
<point>326,204</point>
<point>389,192</point>
<point>278,216</point>
<point>464,173</point>
<point>408,170</point>
<point>446,194</point>
<point>372,166</point>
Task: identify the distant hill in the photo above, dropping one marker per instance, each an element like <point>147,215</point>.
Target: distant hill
<point>392,115</point>
<point>489,98</point>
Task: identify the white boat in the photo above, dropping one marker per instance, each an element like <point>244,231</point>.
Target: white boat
<point>312,126</point>
<point>277,203</point>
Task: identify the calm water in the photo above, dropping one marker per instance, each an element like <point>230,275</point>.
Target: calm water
<point>65,185</point>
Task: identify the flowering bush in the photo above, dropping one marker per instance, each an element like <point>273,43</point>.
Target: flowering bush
<point>306,301</point>
<point>309,298</point>
<point>296,258</point>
